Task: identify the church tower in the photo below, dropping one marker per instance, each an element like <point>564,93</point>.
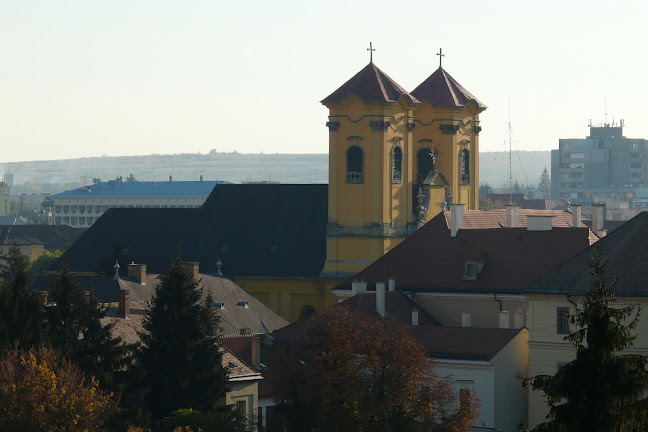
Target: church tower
<point>395,161</point>
<point>446,141</point>
<point>5,199</point>
<point>370,170</point>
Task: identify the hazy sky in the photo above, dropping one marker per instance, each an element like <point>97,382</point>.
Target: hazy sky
<point>87,78</point>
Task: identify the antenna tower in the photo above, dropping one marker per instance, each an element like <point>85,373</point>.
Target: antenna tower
<point>510,143</point>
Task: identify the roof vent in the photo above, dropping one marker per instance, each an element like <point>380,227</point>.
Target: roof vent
<point>274,248</point>
<point>220,305</point>
<point>232,364</point>
<point>243,303</point>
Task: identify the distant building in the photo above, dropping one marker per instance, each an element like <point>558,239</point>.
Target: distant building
<point>604,165</point>
<point>523,201</point>
<point>9,179</point>
<point>34,240</point>
<point>83,206</point>
<point>5,199</point>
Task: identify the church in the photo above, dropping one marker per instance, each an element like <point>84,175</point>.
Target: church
<point>396,159</point>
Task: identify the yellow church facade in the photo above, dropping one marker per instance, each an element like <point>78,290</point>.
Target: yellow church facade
<point>396,159</point>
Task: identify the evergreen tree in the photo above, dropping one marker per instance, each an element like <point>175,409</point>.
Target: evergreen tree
<point>545,183</point>
<point>76,332</point>
<point>21,310</point>
<point>601,390</point>
<point>485,189</point>
<point>179,356</point>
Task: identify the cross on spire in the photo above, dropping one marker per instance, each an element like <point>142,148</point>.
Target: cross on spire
<point>371,49</point>
<point>441,55</point>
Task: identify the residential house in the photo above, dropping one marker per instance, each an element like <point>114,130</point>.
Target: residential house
<point>468,268</point>
<point>34,240</point>
<point>485,361</point>
<point>560,292</point>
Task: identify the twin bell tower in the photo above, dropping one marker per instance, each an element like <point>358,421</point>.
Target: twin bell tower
<point>396,159</point>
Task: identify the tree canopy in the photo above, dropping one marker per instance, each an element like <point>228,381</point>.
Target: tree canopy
<point>179,356</point>
<point>351,372</point>
<point>602,390</point>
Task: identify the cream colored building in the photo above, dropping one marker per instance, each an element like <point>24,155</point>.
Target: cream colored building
<point>562,290</point>
<point>5,199</point>
<point>83,206</point>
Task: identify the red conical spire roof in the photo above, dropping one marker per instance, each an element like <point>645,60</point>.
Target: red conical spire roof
<point>441,90</point>
<point>372,86</point>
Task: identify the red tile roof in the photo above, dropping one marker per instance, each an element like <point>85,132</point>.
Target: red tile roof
<point>441,90</point>
<point>372,86</point>
<point>432,260</point>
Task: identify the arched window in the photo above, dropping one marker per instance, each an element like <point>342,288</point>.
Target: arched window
<point>355,165</point>
<point>426,161</point>
<point>465,166</point>
<point>397,165</point>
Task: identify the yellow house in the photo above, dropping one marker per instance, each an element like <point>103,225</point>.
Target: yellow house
<point>560,292</point>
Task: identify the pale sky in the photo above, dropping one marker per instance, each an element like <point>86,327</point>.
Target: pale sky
<point>132,77</point>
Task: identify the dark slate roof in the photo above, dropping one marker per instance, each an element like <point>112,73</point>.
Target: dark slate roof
<point>53,237</point>
<point>148,236</point>
<point>465,343</point>
<point>372,86</point>
<point>441,90</point>
<point>432,260</point>
<point>143,189</point>
<point>254,229</point>
<point>626,248</point>
<point>256,317</point>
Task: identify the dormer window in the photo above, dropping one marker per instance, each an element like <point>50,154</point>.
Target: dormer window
<point>397,165</point>
<point>355,165</point>
<point>472,269</point>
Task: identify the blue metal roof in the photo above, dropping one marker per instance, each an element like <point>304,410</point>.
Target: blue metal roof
<point>144,189</point>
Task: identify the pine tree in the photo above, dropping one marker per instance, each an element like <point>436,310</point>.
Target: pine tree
<point>76,332</point>
<point>21,310</point>
<point>601,390</point>
<point>180,358</point>
<point>545,183</point>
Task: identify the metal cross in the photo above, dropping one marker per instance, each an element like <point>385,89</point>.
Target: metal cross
<point>371,49</point>
<point>441,55</point>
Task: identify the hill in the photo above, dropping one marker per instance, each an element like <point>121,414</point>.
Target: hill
<point>58,175</point>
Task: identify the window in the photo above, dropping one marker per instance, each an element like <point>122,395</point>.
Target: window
<point>465,319</point>
<point>426,159</point>
<point>636,165</point>
<point>397,165</point>
<point>241,407</point>
<point>355,165</point>
<point>562,320</point>
<point>465,167</point>
<point>464,399</point>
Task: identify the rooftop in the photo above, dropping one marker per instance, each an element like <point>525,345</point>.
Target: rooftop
<point>372,86</point>
<point>143,189</point>
<point>443,91</point>
<point>431,260</point>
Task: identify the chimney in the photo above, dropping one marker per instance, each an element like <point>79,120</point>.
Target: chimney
<point>512,215</point>
<point>414,317</point>
<point>457,218</point>
<point>540,222</point>
<point>576,215</point>
<point>503,319</point>
<point>598,216</point>
<point>170,178</point>
<point>255,352</point>
<point>124,303</point>
<point>465,319</point>
<point>138,271</point>
<point>391,284</point>
<point>518,319</point>
<point>380,298</point>
<point>195,267</point>
<point>358,287</point>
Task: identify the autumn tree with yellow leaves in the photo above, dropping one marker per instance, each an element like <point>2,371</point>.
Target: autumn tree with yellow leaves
<point>40,393</point>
